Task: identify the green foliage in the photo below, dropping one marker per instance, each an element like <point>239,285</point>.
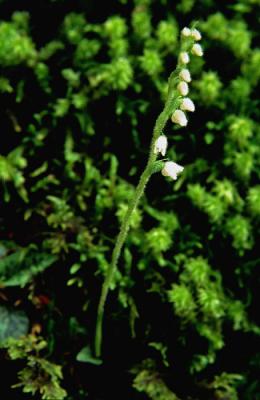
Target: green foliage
<point>151,62</point>
<point>249,67</point>
<point>209,88</point>
<point>240,130</point>
<point>185,6</point>
<point>240,230</point>
<point>232,33</point>
<point>167,34</point>
<point>5,86</point>
<point>85,356</point>
<point>11,167</point>
<point>253,200</point>
<point>16,46</point>
<point>212,205</point>
<point>39,374</point>
<point>18,266</point>
<point>183,302</point>
<point>224,385</point>
<point>148,381</point>
<point>158,240</point>
<point>13,324</point>
<point>141,22</point>
<point>199,299</point>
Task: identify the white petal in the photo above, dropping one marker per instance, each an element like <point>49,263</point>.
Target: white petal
<point>183,88</point>
<point>185,75</point>
<point>172,169</point>
<point>160,145</point>
<point>179,118</point>
<point>196,34</point>
<point>184,57</point>
<point>186,32</point>
<point>187,105</point>
<point>197,50</point>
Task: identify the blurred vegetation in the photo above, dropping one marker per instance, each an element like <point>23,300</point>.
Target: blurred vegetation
<point>81,84</point>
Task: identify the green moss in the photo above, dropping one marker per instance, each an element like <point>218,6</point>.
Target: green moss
<point>16,46</point>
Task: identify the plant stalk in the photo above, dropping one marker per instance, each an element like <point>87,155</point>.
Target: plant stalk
<point>169,108</point>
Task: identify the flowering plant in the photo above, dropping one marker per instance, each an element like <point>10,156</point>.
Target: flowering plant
<point>177,90</point>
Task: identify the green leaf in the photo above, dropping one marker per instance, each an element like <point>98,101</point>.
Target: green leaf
<point>85,356</point>
<point>19,267</point>
<point>13,324</point>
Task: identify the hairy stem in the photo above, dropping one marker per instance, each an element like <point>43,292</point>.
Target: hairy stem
<point>170,105</point>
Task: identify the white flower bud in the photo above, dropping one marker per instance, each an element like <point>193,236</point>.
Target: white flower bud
<point>183,88</point>
<point>186,32</point>
<point>184,57</point>
<point>172,169</point>
<point>197,50</point>
<point>185,75</point>
<point>196,34</point>
<point>160,145</point>
<point>187,105</point>
<point>179,118</point>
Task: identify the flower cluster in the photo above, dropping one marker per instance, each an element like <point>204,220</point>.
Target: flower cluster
<point>190,37</point>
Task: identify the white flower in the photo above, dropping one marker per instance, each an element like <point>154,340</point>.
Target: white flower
<point>197,50</point>
<point>186,32</point>
<point>196,34</point>
<point>187,105</point>
<point>172,169</point>
<point>185,75</point>
<point>160,145</point>
<point>184,57</point>
<point>183,88</point>
<point>179,118</point>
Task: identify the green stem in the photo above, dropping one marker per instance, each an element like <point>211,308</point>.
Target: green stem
<point>148,171</point>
